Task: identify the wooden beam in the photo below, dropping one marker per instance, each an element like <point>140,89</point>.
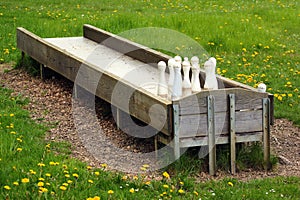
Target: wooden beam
<point>266,132</point>
<point>122,45</point>
<point>176,145</point>
<point>211,135</point>
<point>232,133</point>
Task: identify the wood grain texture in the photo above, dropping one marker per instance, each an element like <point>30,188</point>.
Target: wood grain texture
<point>197,104</point>
<point>124,46</point>
<point>141,105</point>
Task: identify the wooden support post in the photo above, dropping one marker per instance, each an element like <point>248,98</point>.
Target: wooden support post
<point>232,133</point>
<point>176,145</point>
<point>156,145</point>
<point>75,91</point>
<point>118,118</point>
<point>42,72</point>
<point>211,135</point>
<point>266,132</point>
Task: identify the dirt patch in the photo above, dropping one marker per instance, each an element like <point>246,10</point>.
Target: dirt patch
<point>51,103</point>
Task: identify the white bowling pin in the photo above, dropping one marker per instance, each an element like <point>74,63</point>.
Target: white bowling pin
<point>177,85</point>
<point>211,82</point>
<point>162,89</point>
<point>196,80</point>
<point>178,59</point>
<point>261,87</point>
<point>171,63</point>
<point>186,84</point>
<point>194,63</point>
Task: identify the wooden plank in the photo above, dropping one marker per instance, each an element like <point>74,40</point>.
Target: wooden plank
<point>245,99</point>
<point>232,133</point>
<point>196,125</point>
<point>223,139</point>
<point>266,133</point>
<point>176,132</point>
<point>122,45</point>
<point>211,135</point>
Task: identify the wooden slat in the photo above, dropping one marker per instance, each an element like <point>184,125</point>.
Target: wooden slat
<point>266,133</point>
<point>196,125</point>
<point>212,153</point>
<point>203,141</point>
<point>245,99</point>
<point>123,45</point>
<point>232,134</point>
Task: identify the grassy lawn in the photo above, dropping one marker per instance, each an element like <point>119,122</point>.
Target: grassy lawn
<point>45,174</point>
<point>253,41</point>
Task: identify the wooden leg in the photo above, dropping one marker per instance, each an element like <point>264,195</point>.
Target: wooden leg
<point>75,91</point>
<point>211,136</point>
<point>266,133</point>
<point>232,134</point>
<point>42,72</point>
<point>176,145</point>
<point>118,118</point>
<point>156,146</point>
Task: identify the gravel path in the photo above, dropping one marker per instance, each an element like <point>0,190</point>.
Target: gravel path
<point>96,140</point>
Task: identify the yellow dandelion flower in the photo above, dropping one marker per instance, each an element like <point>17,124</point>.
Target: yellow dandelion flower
<point>16,183</point>
<point>124,178</point>
<point>63,188</point>
<point>48,174</point>
<point>290,95</point>
<point>40,184</point>
<point>104,165</point>
<point>90,181</point>
<point>67,175</point>
<point>25,180</point>
<point>279,98</point>
<point>75,175</point>
<point>230,184</point>
<point>110,192</point>
<point>65,184</point>
<point>145,166</point>
<point>12,114</point>
<point>97,173</point>
<point>96,198</point>
<point>196,193</point>
<point>148,183</point>
<point>69,181</point>
<point>32,172</point>
<point>41,165</point>
<point>165,186</point>
<point>42,189</point>
<point>131,190</point>
<point>181,191</point>
<point>41,179</point>
<point>89,167</point>
<point>166,175</point>
<point>181,183</point>
<point>6,187</point>
<point>19,149</point>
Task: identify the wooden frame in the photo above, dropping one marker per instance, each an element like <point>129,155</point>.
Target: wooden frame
<point>235,113</point>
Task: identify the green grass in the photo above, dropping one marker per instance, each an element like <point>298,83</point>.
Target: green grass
<point>253,41</point>
<point>32,168</point>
